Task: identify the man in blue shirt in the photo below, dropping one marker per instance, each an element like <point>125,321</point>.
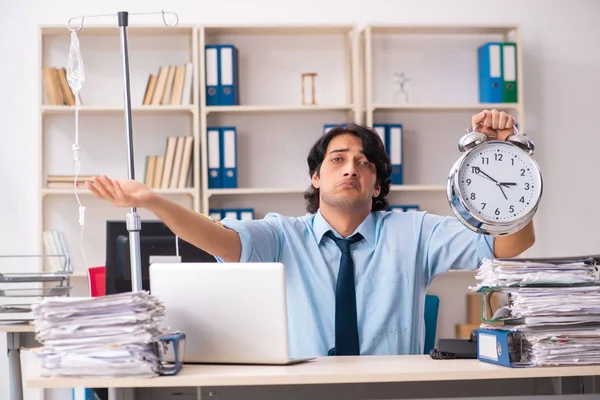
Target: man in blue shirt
<point>376,308</point>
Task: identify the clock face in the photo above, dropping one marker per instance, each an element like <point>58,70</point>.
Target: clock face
<point>499,182</point>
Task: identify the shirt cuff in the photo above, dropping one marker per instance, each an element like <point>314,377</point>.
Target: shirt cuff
<point>485,249</point>
<point>245,238</point>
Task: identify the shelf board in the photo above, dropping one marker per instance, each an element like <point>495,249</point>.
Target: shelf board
<point>475,29</point>
<point>59,110</point>
<point>46,191</point>
<point>277,30</point>
<point>258,191</point>
<point>446,107</point>
<point>113,30</point>
<point>242,191</point>
<point>276,109</point>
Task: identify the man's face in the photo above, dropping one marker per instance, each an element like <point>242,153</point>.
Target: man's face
<point>347,179</point>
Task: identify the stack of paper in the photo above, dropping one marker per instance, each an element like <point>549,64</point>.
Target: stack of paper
<point>110,336</point>
<point>507,273</point>
<point>554,305</point>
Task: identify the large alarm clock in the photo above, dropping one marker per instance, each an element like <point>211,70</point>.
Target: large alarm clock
<point>495,187</point>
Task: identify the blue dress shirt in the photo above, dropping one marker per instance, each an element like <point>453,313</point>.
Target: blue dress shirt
<point>400,256</point>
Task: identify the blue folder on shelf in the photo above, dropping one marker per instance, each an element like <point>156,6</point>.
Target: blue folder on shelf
<point>328,127</point>
<point>489,58</point>
<point>229,213</point>
<point>215,213</point>
<point>229,75</point>
<point>229,157</point>
<point>381,130</point>
<point>245,214</point>
<point>394,146</point>
<point>212,76</point>
<point>213,156</point>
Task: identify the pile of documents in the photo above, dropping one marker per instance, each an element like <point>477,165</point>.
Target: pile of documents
<point>109,336</point>
<point>553,308</point>
<point>555,271</point>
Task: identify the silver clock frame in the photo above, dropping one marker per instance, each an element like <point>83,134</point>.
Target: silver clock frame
<point>459,206</point>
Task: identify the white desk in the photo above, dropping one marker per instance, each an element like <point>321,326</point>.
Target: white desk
<point>326,371</point>
<point>14,334</point>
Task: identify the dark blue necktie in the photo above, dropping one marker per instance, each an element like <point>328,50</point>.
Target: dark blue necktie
<point>346,326</point>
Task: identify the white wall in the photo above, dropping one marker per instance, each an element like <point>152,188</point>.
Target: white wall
<point>561,78</point>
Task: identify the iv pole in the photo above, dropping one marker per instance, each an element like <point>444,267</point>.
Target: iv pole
<point>134,222</point>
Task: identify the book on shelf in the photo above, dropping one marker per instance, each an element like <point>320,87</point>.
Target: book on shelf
<point>171,170</point>
<point>66,181</point>
<point>171,85</point>
<point>54,245</point>
<point>58,91</point>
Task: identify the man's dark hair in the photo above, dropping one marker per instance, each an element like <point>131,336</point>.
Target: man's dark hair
<point>374,150</point>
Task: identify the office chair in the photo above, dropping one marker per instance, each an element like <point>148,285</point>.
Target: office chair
<point>432,305</point>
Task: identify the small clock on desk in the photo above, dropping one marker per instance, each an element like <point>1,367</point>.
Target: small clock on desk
<point>496,186</point>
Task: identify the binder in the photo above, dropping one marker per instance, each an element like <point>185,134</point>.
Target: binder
<point>229,157</point>
<point>328,127</point>
<point>509,73</point>
<point>403,208</point>
<point>411,207</point>
<point>395,144</point>
<point>213,88</point>
<point>500,347</point>
<point>229,76</point>
<point>229,213</point>
<point>215,213</point>
<point>490,72</point>
<point>245,214</point>
<point>215,180</point>
<point>381,131</point>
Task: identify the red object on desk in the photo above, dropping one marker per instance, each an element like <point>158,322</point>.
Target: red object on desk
<point>97,281</point>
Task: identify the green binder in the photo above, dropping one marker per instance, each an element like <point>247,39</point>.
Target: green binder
<point>509,72</point>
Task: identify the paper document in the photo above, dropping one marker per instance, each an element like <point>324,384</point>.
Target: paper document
<point>553,307</point>
<point>506,273</point>
<point>109,336</point>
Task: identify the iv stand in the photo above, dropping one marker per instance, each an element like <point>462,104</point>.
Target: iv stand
<point>134,222</point>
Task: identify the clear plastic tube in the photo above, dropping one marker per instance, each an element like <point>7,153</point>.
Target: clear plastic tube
<point>76,78</point>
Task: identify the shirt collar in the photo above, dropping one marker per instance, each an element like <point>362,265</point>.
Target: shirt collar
<point>366,228</point>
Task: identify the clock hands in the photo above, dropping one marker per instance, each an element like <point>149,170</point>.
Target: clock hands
<point>479,171</point>
<point>502,190</point>
<point>505,184</point>
<point>499,184</point>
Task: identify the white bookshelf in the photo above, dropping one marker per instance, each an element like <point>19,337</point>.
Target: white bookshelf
<point>102,135</point>
<point>273,126</point>
<point>441,63</point>
<point>117,110</point>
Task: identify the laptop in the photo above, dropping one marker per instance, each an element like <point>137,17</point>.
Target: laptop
<point>231,313</point>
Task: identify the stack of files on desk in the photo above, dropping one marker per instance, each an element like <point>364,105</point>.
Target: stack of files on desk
<point>552,316</point>
<point>542,345</point>
<point>549,271</point>
<point>109,336</point>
